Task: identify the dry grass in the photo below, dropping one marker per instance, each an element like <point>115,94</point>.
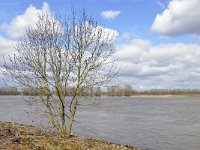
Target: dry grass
<point>21,137</point>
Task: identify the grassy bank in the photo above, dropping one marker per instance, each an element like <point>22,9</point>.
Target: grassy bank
<point>15,136</point>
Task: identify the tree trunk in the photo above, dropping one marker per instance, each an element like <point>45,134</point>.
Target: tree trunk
<point>71,118</point>
<point>64,130</point>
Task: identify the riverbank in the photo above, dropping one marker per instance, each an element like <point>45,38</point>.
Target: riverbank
<point>187,96</point>
<point>15,136</point>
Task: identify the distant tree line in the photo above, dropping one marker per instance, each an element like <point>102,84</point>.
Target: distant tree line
<point>120,90</point>
<point>95,91</point>
<point>170,92</point>
<point>114,90</point>
<point>9,91</point>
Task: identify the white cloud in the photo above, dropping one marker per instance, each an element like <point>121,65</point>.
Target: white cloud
<point>17,26</point>
<point>163,66</point>
<point>6,48</point>
<point>5,44</point>
<point>132,52</point>
<point>107,33</point>
<point>131,34</point>
<point>110,14</point>
<point>181,17</point>
<point>111,32</point>
<point>160,4</point>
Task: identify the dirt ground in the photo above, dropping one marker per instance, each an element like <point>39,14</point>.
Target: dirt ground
<point>15,136</point>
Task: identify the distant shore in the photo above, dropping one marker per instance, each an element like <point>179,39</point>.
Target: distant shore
<point>115,90</point>
<point>165,95</point>
<point>24,137</point>
<point>137,95</point>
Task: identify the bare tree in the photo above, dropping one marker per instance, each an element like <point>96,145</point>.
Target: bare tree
<point>120,90</point>
<point>128,91</point>
<point>58,54</point>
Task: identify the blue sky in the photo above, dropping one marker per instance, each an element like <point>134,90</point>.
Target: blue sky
<point>134,14</point>
<point>157,43</point>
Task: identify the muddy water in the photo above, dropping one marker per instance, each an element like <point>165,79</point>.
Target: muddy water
<point>154,123</point>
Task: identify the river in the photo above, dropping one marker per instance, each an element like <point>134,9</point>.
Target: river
<point>153,123</point>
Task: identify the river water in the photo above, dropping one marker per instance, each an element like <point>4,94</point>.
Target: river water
<point>153,123</point>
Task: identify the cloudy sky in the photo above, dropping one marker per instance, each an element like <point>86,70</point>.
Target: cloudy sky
<point>158,42</point>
